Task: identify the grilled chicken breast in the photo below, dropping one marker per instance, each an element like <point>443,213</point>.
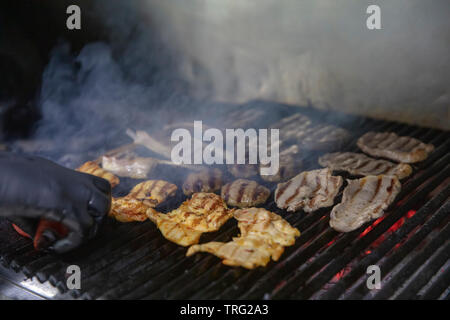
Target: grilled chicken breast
<point>204,212</point>
<point>247,252</point>
<point>128,209</point>
<point>364,200</point>
<point>263,236</point>
<point>390,145</point>
<point>204,181</point>
<point>129,165</point>
<point>361,165</point>
<point>244,193</point>
<point>93,168</point>
<point>153,192</point>
<point>309,190</point>
<point>290,164</point>
<point>259,222</point>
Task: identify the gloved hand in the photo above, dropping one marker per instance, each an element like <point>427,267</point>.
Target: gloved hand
<point>33,188</point>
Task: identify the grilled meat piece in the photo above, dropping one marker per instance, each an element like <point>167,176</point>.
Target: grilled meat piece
<point>263,236</point>
<point>129,165</point>
<point>247,252</point>
<point>204,212</point>
<point>93,168</point>
<point>363,200</point>
<point>204,181</point>
<point>322,136</point>
<point>308,135</point>
<point>390,145</point>
<point>290,164</point>
<point>309,190</point>
<point>259,222</point>
<point>362,165</point>
<point>153,192</point>
<point>128,209</point>
<point>244,193</point>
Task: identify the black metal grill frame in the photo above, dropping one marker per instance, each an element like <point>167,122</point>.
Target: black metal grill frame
<point>133,261</point>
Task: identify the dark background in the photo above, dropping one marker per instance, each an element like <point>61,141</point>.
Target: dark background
<point>29,29</point>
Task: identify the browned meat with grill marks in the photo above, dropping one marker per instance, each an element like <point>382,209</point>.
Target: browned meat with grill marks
<point>127,209</point>
<point>264,235</point>
<point>247,252</point>
<point>204,212</point>
<point>390,145</point>
<point>153,192</point>
<point>244,193</point>
<point>363,200</point>
<point>309,190</point>
<point>265,224</point>
<point>309,135</point>
<point>204,181</point>
<point>93,168</point>
<point>362,165</point>
<point>290,164</point>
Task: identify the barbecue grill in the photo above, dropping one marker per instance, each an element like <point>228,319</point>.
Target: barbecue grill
<point>410,244</point>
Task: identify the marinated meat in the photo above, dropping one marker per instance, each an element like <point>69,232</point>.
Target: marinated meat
<point>204,212</point>
<point>309,190</point>
<point>128,209</point>
<point>364,200</point>
<point>259,222</point>
<point>362,165</point>
<point>153,192</point>
<point>204,181</point>
<point>390,145</point>
<point>244,193</point>
<point>263,237</point>
<point>247,252</point>
<point>93,168</point>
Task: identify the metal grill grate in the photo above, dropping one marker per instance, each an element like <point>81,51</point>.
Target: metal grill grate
<point>134,261</point>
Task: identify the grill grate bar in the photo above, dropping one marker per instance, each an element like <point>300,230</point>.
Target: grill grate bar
<point>423,275</point>
<point>377,254</point>
<point>389,288</point>
<point>441,284</point>
<point>263,286</point>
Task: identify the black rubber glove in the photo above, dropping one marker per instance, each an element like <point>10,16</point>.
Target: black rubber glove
<point>33,188</point>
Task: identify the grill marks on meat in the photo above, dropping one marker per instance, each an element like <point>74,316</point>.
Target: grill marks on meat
<point>247,252</point>
<point>263,237</point>
<point>93,168</point>
<point>143,197</point>
<point>204,212</point>
<point>204,181</point>
<point>360,164</point>
<point>290,164</point>
<point>390,145</point>
<point>153,192</point>
<point>128,209</point>
<point>259,222</point>
<point>308,135</point>
<point>309,190</point>
<point>364,200</point>
<point>244,193</point>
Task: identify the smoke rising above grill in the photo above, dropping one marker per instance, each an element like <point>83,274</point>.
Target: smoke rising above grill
<point>166,57</point>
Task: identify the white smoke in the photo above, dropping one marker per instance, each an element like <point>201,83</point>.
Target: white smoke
<point>316,53</point>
